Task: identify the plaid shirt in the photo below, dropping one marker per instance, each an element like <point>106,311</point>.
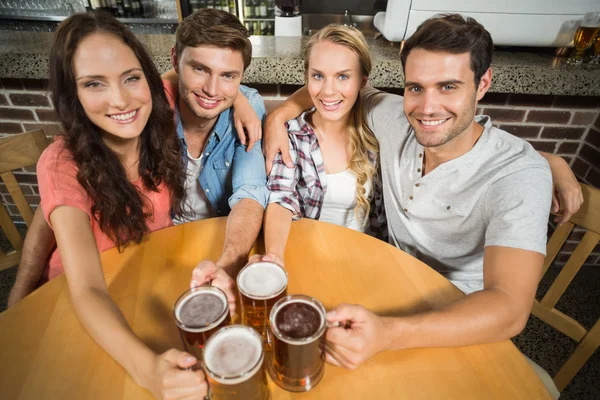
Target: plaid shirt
<point>302,189</point>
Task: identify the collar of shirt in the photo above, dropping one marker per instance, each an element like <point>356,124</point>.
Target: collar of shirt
<point>222,127</point>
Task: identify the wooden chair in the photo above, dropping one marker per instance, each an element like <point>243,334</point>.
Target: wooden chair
<point>17,151</point>
<point>587,217</point>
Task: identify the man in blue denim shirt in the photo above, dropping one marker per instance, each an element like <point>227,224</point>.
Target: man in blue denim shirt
<point>224,177</point>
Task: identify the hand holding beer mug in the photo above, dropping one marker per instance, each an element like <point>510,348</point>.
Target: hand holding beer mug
<point>207,272</point>
<point>361,335</point>
<point>233,360</point>
<point>260,285</point>
<point>583,37</point>
<point>298,326</point>
<point>199,313</point>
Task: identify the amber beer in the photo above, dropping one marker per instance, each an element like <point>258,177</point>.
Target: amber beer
<point>260,285</point>
<point>234,365</point>
<point>298,325</point>
<point>584,35</point>
<point>199,313</point>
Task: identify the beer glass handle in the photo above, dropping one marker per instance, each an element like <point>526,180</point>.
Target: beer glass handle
<point>196,367</point>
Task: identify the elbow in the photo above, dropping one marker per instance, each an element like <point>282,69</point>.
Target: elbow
<point>517,324</point>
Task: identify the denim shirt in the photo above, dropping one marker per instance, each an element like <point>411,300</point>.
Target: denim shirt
<point>229,173</point>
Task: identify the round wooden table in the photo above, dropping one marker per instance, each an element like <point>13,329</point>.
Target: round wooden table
<point>46,353</point>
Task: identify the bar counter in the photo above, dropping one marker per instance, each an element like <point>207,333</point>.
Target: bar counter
<point>279,60</point>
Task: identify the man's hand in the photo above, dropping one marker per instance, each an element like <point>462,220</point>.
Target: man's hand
<point>169,377</point>
<point>276,141</point>
<point>244,116</point>
<point>361,335</point>
<point>208,272</point>
<point>566,195</point>
<point>566,198</point>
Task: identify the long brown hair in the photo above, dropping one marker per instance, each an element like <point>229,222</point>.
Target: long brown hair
<point>118,206</point>
<point>362,145</point>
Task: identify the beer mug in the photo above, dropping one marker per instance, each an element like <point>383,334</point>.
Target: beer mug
<point>298,325</point>
<point>261,285</point>
<point>200,312</point>
<point>584,36</point>
<point>596,54</point>
<point>234,365</point>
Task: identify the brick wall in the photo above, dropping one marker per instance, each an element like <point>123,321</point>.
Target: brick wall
<point>564,125</point>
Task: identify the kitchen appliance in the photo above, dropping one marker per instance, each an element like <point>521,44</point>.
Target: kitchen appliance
<point>551,23</point>
<point>288,19</point>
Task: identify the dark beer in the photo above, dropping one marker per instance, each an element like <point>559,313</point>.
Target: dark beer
<point>298,326</point>
<point>234,365</point>
<point>261,285</point>
<point>199,313</point>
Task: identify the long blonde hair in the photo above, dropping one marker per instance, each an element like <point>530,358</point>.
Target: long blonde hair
<point>362,145</point>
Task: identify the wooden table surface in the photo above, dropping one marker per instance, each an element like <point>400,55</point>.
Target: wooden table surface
<point>46,353</point>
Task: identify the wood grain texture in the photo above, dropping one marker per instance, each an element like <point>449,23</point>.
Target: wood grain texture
<point>47,354</point>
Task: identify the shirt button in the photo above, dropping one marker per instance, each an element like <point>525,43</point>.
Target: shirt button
<point>420,155</point>
<point>405,210</point>
<point>417,184</point>
<point>410,197</point>
<point>227,163</point>
<point>207,154</point>
<point>207,190</point>
<point>447,208</point>
<point>418,169</point>
<point>218,211</point>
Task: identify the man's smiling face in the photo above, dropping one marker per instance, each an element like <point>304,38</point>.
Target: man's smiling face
<point>440,97</point>
<point>209,79</point>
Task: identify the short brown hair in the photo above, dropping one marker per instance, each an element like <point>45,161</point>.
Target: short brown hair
<point>452,33</point>
<point>214,28</point>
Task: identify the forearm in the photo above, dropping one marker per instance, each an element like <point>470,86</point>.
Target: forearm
<point>558,166</point>
<point>293,106</point>
<point>243,225</point>
<point>108,327</point>
<point>482,317</point>
<point>37,247</point>
<point>278,221</point>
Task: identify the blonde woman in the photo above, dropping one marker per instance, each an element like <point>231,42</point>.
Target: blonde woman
<point>334,153</point>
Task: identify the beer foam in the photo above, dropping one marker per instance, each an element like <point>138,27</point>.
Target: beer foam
<point>202,309</point>
<point>262,280</point>
<point>231,352</point>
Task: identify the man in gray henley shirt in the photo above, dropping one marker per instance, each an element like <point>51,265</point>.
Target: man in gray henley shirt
<point>468,199</point>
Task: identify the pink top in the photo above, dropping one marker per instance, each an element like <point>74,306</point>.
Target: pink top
<point>171,90</point>
<point>58,185</point>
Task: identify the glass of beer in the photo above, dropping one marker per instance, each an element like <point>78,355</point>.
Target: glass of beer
<point>584,36</point>
<point>234,365</point>
<point>260,285</point>
<point>199,313</point>
<point>298,325</point>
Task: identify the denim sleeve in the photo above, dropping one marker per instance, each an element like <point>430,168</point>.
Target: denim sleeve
<point>249,175</point>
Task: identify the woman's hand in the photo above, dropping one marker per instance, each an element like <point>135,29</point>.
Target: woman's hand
<point>246,122</point>
<point>170,377</point>
<point>266,258</point>
<point>276,141</point>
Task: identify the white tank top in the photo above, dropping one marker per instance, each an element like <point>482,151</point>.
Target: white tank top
<point>340,200</point>
<point>196,200</point>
